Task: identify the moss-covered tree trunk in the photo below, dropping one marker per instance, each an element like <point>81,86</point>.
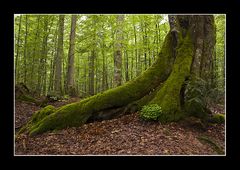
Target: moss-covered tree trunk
<point>162,83</point>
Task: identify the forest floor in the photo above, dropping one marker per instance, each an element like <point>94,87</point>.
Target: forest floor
<point>127,135</point>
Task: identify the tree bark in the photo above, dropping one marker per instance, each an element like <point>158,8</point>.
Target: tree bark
<point>118,52</point>
<point>34,52</point>
<point>126,65</point>
<point>91,72</point>
<point>53,63</point>
<point>25,51</point>
<point>162,84</point>
<point>17,55</point>
<point>42,61</point>
<point>58,72</point>
<point>70,72</point>
<point>104,69</point>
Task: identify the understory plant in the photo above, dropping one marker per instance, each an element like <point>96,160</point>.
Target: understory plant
<point>151,112</point>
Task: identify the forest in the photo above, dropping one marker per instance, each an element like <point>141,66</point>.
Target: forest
<point>119,84</point>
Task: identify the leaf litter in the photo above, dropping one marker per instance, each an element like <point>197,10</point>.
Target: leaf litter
<point>127,135</point>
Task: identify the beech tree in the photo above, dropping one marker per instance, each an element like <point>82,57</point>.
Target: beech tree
<point>70,69</point>
<point>58,72</point>
<point>186,55</point>
<point>118,52</point>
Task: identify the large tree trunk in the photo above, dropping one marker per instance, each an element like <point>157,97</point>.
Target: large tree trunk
<point>162,83</point>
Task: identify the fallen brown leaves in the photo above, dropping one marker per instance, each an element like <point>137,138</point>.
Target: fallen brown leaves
<point>127,135</point>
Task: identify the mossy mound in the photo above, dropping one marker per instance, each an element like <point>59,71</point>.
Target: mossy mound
<point>217,118</point>
<point>37,117</point>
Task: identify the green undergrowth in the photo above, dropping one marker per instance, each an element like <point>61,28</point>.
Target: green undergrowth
<point>217,118</point>
<point>150,112</point>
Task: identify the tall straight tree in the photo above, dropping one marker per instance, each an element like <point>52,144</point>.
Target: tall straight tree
<point>136,49</point>
<point>58,72</point>
<point>43,56</point>
<point>17,47</point>
<point>34,54</point>
<point>92,56</point>
<point>118,51</point>
<point>91,72</point>
<point>104,67</point>
<point>70,68</point>
<point>25,51</point>
<point>53,61</point>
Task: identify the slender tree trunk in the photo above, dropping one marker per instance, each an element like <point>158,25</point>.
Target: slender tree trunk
<point>25,51</point>
<point>214,67</point>
<point>44,80</point>
<point>41,86</point>
<point>144,35</point>
<point>92,57</point>
<point>17,49</point>
<point>50,86</point>
<point>85,80</point>
<point>34,52</point>
<point>126,65</point>
<point>96,75</point>
<point>132,65</point>
<point>118,52</point>
<point>136,50</point>
<point>104,70</point>
<point>70,72</point>
<point>157,30</point>
<point>53,65</point>
<point>58,72</point>
<point>91,72</point>
<point>139,70</point>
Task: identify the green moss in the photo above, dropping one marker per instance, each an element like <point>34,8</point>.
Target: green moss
<point>69,115</point>
<point>194,108</point>
<point>37,117</point>
<point>76,114</point>
<point>218,118</point>
<point>168,97</point>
